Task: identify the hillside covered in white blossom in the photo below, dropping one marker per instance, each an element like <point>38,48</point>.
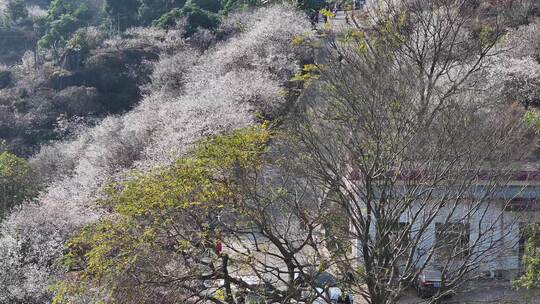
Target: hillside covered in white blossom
<point>205,151</point>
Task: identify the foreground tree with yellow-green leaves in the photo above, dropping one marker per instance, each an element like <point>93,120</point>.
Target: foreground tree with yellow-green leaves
<point>163,223</point>
<point>192,231</point>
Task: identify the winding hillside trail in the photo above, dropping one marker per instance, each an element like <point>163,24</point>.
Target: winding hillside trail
<point>342,20</point>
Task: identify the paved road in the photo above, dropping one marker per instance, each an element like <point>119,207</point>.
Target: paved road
<point>339,22</point>
<point>492,292</point>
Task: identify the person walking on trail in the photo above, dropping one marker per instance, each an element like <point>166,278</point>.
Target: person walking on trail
<point>325,17</point>
<point>315,17</point>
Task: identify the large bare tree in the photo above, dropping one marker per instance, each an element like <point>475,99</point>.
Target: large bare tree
<point>398,127</point>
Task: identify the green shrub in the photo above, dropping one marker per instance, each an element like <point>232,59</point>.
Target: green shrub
<point>233,5</point>
<point>122,14</point>
<point>207,5</point>
<point>16,184</point>
<point>16,10</point>
<point>195,17</point>
<point>151,10</point>
<point>64,17</point>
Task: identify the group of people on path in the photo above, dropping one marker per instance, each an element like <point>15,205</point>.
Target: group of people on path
<point>333,7</point>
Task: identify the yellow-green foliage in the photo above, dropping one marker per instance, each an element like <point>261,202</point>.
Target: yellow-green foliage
<point>530,279</point>
<point>390,34</point>
<point>487,36</point>
<point>327,13</point>
<point>392,30</point>
<point>355,35</point>
<point>532,118</point>
<point>309,72</point>
<point>147,206</point>
<point>298,40</point>
<point>16,182</point>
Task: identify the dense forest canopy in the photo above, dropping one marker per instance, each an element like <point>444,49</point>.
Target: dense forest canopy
<point>137,135</point>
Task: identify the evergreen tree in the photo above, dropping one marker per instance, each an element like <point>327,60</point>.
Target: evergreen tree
<point>194,15</point>
<point>122,14</point>
<point>15,182</point>
<point>151,10</point>
<point>64,17</point>
<point>16,10</point>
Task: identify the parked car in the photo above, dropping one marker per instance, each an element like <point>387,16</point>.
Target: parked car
<point>428,282</point>
<point>327,286</point>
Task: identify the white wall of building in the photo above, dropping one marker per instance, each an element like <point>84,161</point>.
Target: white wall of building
<point>489,226</point>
